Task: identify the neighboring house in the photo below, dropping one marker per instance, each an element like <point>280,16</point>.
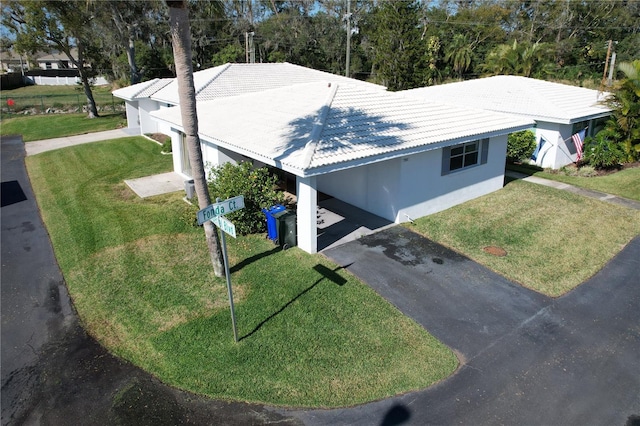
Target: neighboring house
<point>11,61</point>
<point>386,153</point>
<point>559,110</point>
<point>214,83</point>
<point>56,60</point>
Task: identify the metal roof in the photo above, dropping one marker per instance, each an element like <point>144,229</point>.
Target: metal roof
<point>237,79</point>
<point>537,99</point>
<point>314,128</point>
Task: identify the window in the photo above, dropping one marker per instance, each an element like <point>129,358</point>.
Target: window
<point>48,65</point>
<point>465,155</point>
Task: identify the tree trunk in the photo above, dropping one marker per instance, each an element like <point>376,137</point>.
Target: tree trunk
<point>92,108</point>
<point>181,38</point>
<point>131,58</point>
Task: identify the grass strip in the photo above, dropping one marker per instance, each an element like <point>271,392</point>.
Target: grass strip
<point>625,183</point>
<point>311,334</point>
<point>39,127</point>
<point>555,240</point>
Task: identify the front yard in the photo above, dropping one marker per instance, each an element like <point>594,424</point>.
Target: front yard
<point>310,333</point>
<point>554,239</point>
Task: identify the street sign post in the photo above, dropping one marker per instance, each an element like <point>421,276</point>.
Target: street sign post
<point>215,213</point>
<point>220,208</point>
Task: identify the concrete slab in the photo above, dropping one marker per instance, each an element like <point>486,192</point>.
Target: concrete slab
<point>339,222</point>
<point>163,183</point>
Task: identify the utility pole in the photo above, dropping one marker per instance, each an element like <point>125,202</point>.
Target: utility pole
<point>249,50</point>
<point>606,65</point>
<point>252,50</point>
<point>348,18</point>
<point>611,68</point>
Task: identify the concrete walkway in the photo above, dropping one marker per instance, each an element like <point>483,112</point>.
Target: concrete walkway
<point>36,147</point>
<point>613,199</point>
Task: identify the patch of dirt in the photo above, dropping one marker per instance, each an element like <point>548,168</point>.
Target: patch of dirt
<point>496,251</point>
<point>158,137</point>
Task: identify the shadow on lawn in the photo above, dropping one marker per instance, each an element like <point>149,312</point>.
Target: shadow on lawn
<point>327,273</point>
<point>254,258</point>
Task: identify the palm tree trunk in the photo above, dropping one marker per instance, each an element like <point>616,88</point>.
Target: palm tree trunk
<point>181,38</point>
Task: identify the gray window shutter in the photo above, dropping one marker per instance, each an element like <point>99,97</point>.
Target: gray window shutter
<point>485,151</point>
<point>446,157</point>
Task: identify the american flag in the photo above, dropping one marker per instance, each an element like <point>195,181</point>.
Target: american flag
<point>578,139</point>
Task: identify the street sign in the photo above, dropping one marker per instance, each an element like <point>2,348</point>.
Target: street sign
<point>225,225</point>
<point>220,209</point>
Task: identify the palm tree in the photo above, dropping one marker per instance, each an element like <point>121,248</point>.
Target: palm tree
<point>181,40</point>
<point>625,101</point>
<point>526,59</point>
<point>459,54</point>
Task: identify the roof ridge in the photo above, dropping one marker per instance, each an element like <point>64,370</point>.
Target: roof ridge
<point>321,119</point>
<point>216,75</point>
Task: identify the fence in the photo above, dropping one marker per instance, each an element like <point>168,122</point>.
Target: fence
<point>63,80</point>
<point>46,104</point>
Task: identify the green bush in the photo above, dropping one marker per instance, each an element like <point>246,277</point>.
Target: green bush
<point>602,152</point>
<point>258,187</point>
<point>520,145</point>
<point>166,145</point>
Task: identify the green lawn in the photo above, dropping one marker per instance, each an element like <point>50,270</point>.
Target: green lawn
<point>38,99</point>
<point>311,334</point>
<point>555,240</point>
<point>57,125</point>
<point>625,183</point>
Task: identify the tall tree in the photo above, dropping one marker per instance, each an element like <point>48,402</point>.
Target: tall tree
<point>181,39</point>
<point>399,53</point>
<point>123,22</point>
<point>625,101</point>
<point>62,25</point>
<point>459,54</point>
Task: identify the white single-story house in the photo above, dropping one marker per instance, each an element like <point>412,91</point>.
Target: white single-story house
<point>387,153</point>
<point>214,83</point>
<point>138,104</point>
<point>559,110</point>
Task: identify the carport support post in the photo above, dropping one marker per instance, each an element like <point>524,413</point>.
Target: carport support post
<point>307,213</point>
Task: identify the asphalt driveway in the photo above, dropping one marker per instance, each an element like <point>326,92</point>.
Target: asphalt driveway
<point>526,359</point>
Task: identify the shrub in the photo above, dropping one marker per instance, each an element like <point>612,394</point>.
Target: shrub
<point>258,187</point>
<point>166,145</point>
<point>520,145</point>
<point>603,153</point>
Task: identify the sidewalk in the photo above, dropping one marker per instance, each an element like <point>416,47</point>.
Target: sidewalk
<point>613,199</point>
<point>36,147</point>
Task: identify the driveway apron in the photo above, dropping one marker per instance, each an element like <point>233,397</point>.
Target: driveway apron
<point>525,358</point>
<point>463,304</point>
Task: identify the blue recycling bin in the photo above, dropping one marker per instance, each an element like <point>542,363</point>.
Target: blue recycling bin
<point>272,224</point>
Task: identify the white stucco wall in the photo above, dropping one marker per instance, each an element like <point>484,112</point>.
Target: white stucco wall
<point>133,118</point>
<point>559,150</point>
<point>412,187</point>
<point>147,125</point>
